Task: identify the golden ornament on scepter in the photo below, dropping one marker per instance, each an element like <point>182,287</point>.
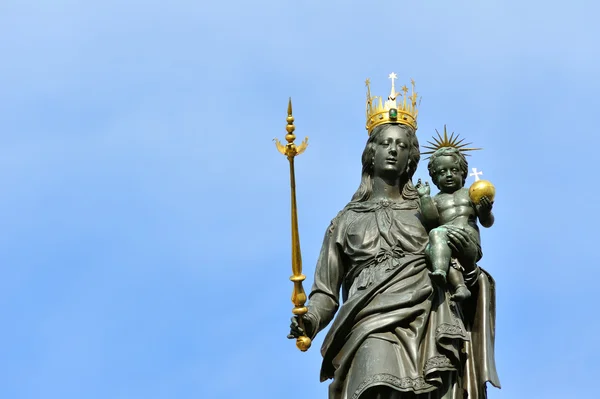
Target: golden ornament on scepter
<point>290,150</point>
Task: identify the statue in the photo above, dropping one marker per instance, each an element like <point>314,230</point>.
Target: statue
<point>448,169</point>
<point>396,334</point>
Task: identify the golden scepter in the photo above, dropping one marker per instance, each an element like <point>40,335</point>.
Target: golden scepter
<point>290,150</point>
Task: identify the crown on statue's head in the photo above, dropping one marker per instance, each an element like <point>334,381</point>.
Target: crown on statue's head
<point>394,110</point>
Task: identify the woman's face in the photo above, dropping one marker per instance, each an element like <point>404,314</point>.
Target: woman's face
<point>392,150</point>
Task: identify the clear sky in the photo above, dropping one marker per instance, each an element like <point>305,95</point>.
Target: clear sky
<point>145,248</point>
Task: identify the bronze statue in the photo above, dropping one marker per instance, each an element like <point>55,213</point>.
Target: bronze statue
<point>395,334</point>
<point>448,169</point>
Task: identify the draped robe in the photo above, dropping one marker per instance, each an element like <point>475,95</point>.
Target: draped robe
<point>397,333</point>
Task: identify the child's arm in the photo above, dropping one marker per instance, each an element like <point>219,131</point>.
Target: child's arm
<point>484,212</point>
<point>428,207</point>
<point>429,211</point>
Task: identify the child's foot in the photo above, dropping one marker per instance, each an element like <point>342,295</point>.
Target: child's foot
<point>461,293</point>
<point>438,277</point>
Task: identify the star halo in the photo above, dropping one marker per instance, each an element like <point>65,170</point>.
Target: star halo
<point>452,141</point>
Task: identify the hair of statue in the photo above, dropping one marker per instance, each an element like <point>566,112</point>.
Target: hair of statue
<point>449,152</point>
<point>365,189</point>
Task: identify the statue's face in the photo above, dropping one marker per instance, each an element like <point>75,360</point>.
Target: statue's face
<point>447,174</point>
<point>391,153</point>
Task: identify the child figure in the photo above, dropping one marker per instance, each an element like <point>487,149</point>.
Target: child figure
<point>448,169</point>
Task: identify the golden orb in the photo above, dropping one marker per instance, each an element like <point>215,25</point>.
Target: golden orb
<point>482,188</point>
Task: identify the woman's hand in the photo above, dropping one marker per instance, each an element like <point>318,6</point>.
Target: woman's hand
<point>464,245</point>
<point>297,331</point>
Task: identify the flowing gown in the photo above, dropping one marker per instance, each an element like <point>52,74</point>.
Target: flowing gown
<point>396,334</point>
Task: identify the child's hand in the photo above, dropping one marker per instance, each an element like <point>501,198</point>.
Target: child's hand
<point>422,189</point>
<point>485,206</point>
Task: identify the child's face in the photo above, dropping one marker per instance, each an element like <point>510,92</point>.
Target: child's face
<point>447,175</point>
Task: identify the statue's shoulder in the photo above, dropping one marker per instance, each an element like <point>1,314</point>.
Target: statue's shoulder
<point>345,216</point>
<point>463,196</point>
<point>440,198</point>
<point>335,222</point>
<point>463,191</point>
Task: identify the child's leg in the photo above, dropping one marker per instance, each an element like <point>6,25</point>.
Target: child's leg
<point>456,280</point>
<point>439,253</point>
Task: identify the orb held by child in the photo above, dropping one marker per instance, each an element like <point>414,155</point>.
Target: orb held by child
<point>480,189</point>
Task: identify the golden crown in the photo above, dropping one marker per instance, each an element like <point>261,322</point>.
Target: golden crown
<point>391,111</point>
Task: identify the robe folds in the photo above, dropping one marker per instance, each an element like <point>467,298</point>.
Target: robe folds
<point>396,332</point>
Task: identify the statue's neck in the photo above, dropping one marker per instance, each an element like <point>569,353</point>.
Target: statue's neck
<point>386,189</point>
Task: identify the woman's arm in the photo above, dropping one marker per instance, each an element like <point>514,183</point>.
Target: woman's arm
<point>324,296</point>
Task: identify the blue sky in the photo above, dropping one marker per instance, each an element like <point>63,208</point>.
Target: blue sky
<point>145,248</point>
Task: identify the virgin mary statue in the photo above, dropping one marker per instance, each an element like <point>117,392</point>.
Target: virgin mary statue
<point>395,334</point>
